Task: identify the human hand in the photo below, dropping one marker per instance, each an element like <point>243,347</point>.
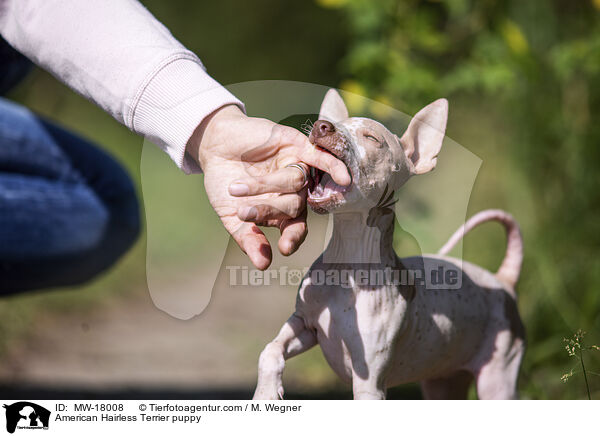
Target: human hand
<point>248,183</point>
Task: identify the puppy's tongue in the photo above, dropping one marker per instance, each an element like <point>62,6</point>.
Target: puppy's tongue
<point>329,186</point>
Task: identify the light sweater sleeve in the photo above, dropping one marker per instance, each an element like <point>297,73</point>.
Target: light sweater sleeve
<point>116,54</point>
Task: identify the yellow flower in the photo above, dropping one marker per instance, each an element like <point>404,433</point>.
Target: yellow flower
<point>514,37</point>
<point>331,4</point>
<point>355,100</point>
<point>381,107</point>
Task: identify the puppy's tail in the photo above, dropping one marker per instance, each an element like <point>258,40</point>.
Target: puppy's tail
<point>511,265</point>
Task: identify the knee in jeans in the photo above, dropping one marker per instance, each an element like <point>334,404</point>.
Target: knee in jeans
<point>125,213</point>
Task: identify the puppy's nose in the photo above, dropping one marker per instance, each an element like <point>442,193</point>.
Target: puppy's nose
<point>323,128</point>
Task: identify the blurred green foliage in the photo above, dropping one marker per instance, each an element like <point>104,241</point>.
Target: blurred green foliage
<point>533,67</point>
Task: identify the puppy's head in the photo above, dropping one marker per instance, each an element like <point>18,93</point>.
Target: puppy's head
<point>378,160</point>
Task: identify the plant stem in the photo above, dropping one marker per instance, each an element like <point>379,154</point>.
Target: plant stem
<point>587,386</point>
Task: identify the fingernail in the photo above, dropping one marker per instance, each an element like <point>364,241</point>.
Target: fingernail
<point>238,189</point>
<point>346,177</point>
<point>288,248</point>
<point>248,213</point>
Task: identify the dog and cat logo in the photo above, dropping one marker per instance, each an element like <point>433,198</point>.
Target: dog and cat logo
<point>26,415</point>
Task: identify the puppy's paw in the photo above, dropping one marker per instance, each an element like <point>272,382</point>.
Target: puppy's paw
<point>271,392</point>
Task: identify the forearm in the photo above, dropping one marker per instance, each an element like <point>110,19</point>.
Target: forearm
<point>115,53</point>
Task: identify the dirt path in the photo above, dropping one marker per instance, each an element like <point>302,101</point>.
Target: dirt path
<point>129,343</point>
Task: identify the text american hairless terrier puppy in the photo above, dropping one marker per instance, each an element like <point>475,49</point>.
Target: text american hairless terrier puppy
<point>381,333</point>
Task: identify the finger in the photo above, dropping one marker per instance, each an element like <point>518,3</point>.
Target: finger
<point>308,153</point>
<point>285,180</point>
<point>285,206</point>
<point>293,233</point>
<point>327,162</point>
<point>313,156</point>
<point>255,244</point>
<point>277,137</point>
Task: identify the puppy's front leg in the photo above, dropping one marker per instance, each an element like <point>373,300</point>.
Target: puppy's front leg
<point>293,338</point>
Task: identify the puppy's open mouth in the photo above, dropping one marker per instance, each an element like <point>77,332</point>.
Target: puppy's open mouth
<point>323,193</point>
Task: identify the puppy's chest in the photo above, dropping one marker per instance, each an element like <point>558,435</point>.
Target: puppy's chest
<point>374,313</point>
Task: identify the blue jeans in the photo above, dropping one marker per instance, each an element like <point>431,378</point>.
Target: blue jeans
<point>68,210</point>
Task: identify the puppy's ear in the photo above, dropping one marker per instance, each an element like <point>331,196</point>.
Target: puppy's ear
<point>333,108</point>
<point>423,138</point>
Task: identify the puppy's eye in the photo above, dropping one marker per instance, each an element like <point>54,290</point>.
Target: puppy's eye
<point>371,138</point>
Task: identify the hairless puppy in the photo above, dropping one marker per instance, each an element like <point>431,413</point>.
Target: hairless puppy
<point>385,324</point>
